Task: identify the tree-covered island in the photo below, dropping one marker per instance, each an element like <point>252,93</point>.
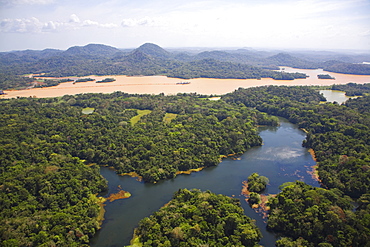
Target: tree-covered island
<point>195,218</point>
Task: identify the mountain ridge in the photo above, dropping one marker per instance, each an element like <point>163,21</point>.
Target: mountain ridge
<point>151,59</point>
<point>92,49</point>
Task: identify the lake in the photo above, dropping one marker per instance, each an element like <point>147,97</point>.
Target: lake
<point>281,158</point>
<point>168,86</point>
<point>337,96</point>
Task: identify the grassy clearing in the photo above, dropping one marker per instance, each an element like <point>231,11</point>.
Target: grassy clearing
<point>137,118</point>
<point>88,110</point>
<point>169,117</point>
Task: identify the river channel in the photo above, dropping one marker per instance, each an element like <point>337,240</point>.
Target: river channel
<point>281,158</point>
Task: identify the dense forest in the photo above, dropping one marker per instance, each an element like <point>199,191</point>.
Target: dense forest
<point>347,68</point>
<point>195,218</point>
<point>150,59</point>
<point>318,217</point>
<point>340,137</point>
<point>353,89</point>
<point>51,149</point>
<point>8,81</point>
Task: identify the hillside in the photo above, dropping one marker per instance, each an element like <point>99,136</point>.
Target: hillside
<point>151,59</point>
<point>284,59</point>
<point>92,50</point>
<point>154,50</point>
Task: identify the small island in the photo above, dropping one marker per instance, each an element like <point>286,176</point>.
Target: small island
<point>83,80</point>
<point>196,218</point>
<point>106,80</point>
<point>66,80</point>
<point>326,76</point>
<point>183,83</point>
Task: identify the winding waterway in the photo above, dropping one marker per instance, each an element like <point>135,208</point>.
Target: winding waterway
<point>281,158</point>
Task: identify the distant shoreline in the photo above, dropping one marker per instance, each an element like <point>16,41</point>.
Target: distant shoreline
<point>170,86</point>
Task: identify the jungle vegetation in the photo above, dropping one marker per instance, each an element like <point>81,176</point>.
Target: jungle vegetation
<point>340,137</point>
<point>353,89</point>
<point>50,150</point>
<point>195,218</point>
<point>257,183</point>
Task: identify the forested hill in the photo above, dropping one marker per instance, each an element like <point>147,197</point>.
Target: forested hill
<point>106,60</point>
<point>148,59</point>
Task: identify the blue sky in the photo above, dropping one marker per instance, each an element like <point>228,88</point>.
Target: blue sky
<point>284,24</point>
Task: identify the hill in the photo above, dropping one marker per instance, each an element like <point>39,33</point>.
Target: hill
<point>93,50</point>
<point>151,59</point>
<point>153,50</point>
<point>284,59</point>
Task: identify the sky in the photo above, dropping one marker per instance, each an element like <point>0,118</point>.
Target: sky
<point>283,24</point>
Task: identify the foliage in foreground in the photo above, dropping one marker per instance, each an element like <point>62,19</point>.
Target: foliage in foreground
<point>48,201</point>
<point>194,218</point>
<point>318,217</point>
<point>339,135</point>
<point>47,191</point>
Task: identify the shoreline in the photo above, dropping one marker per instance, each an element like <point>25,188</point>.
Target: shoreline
<point>260,208</point>
<point>169,86</point>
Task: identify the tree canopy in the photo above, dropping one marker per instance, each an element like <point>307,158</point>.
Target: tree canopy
<point>194,218</point>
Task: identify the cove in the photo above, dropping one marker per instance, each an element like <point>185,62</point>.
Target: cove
<point>281,158</point>
<point>337,96</point>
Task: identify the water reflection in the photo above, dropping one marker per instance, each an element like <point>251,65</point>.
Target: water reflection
<point>337,96</point>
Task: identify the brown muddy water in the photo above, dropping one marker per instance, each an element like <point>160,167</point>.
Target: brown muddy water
<point>168,86</point>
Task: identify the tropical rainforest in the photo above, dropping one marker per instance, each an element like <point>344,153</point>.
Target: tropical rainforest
<point>195,218</point>
<point>150,59</point>
<point>51,150</point>
<point>337,214</point>
<point>353,89</point>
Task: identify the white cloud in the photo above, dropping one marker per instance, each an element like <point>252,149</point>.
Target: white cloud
<point>365,33</point>
<point>146,21</point>
<point>33,25</point>
<point>268,23</point>
<point>90,23</point>
<point>50,26</point>
<point>74,19</point>
<point>25,2</point>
